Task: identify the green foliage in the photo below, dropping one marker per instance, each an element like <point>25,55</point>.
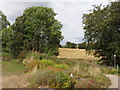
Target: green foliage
<point>42,78</point>
<point>70,45</point>
<point>114,72</point>
<point>102,81</point>
<point>93,82</point>
<point>53,79</point>
<point>105,69</point>
<point>38,30</point>
<point>30,59</point>
<point>5,22</point>
<point>102,29</point>
<point>61,66</point>
<point>88,76</point>
<point>6,39</point>
<point>46,63</point>
<point>63,81</point>
<point>5,33</point>
<point>82,45</point>
<point>35,55</point>
<point>6,56</point>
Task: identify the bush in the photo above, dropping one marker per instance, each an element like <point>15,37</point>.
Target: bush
<point>42,78</point>
<point>45,63</point>
<point>30,66</point>
<point>102,81</point>
<point>61,66</point>
<point>99,81</point>
<point>105,69</point>
<point>6,56</point>
<point>53,79</point>
<point>115,72</point>
<point>63,81</point>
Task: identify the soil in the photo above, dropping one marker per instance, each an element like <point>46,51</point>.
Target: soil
<point>15,80</point>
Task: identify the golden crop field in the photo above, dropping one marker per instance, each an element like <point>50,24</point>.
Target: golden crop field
<point>74,54</point>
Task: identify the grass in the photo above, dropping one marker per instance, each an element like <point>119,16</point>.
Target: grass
<point>12,66</point>
<point>86,72</point>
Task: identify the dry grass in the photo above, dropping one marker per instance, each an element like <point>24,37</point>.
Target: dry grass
<point>75,54</point>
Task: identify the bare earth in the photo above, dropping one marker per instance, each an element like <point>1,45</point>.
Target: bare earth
<point>14,81</point>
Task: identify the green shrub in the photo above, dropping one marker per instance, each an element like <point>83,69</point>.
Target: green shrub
<point>42,78</point>
<point>102,81</point>
<point>61,66</point>
<point>33,54</point>
<point>99,81</point>
<point>115,72</point>
<point>53,79</point>
<point>31,59</point>
<point>6,56</point>
<point>45,63</point>
<point>62,81</point>
<point>109,70</point>
<point>105,69</point>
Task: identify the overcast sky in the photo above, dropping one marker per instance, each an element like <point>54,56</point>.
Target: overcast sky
<point>69,13</point>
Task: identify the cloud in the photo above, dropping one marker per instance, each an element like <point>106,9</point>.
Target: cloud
<point>69,13</point>
<point>15,9</point>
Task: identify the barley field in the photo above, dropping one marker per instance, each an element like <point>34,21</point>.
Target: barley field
<point>75,54</point>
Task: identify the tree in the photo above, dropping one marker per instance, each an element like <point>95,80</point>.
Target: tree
<point>82,45</point>
<point>5,22</point>
<point>102,28</point>
<point>70,45</point>
<point>6,39</point>
<point>5,32</point>
<point>37,29</point>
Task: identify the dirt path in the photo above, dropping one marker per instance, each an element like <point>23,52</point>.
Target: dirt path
<point>114,80</point>
<point>14,81</point>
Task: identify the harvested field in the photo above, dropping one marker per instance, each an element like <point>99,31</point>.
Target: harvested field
<point>75,54</point>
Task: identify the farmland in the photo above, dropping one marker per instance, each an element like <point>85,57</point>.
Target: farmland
<point>75,54</point>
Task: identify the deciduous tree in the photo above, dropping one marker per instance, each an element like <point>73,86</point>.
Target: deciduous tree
<point>37,29</point>
<point>102,28</point>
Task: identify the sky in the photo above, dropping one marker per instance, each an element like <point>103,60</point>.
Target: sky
<point>69,13</point>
